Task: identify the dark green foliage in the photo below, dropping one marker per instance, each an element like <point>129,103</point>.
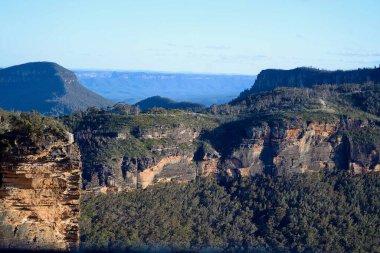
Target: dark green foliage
<point>21,131</point>
<point>325,212</point>
<point>166,103</point>
<point>364,143</point>
<point>32,124</point>
<point>318,103</point>
<point>270,79</point>
<point>363,97</point>
<point>103,121</point>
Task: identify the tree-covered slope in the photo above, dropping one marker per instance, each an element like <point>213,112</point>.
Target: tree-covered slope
<point>45,87</point>
<point>345,99</point>
<point>319,212</point>
<point>166,103</point>
<point>303,77</point>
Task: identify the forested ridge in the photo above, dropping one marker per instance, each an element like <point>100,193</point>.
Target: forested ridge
<point>317,212</point>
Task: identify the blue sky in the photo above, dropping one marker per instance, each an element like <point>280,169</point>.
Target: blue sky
<point>211,36</point>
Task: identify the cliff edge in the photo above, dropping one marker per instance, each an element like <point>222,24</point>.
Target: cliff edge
<point>40,172</point>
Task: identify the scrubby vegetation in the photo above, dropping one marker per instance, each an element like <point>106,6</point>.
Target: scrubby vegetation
<point>321,102</point>
<point>162,102</point>
<point>107,121</point>
<point>319,212</point>
<point>32,123</point>
<point>31,129</point>
<point>306,77</point>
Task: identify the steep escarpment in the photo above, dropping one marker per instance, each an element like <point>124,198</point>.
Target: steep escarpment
<point>40,171</point>
<point>280,132</point>
<point>287,146</point>
<point>296,130</point>
<point>45,87</point>
<point>269,79</point>
<point>133,151</point>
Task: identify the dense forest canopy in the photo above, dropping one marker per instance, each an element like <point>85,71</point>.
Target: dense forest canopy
<point>318,212</point>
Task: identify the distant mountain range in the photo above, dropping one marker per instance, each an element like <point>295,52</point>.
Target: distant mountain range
<point>45,87</point>
<point>166,103</point>
<point>131,87</point>
<point>307,77</point>
<point>54,90</point>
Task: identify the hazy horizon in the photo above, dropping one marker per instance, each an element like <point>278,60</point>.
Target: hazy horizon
<point>185,72</point>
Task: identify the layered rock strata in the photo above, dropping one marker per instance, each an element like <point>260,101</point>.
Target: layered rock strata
<point>40,191</point>
<point>300,147</point>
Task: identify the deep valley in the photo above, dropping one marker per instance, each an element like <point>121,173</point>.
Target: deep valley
<point>281,168</point>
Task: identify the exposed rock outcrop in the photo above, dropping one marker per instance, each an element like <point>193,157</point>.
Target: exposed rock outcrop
<point>284,131</point>
<point>134,173</point>
<point>39,191</point>
<point>166,170</point>
<point>143,153</point>
<point>299,147</point>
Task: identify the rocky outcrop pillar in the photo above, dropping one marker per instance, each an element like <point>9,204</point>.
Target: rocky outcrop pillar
<point>39,194</point>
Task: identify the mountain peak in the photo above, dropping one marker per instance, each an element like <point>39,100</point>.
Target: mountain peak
<point>36,66</point>
<point>46,87</point>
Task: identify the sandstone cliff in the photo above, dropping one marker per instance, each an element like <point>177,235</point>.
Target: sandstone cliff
<point>40,171</point>
<point>282,148</point>
<point>280,132</point>
<point>296,130</point>
<point>125,152</point>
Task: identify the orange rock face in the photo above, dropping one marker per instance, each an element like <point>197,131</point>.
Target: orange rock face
<point>147,176</point>
<point>39,196</point>
<point>284,149</point>
<point>209,167</point>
